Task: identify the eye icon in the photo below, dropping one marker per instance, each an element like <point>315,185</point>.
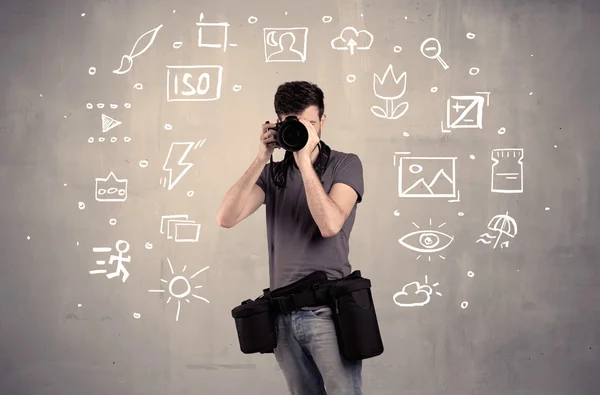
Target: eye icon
<point>426,241</point>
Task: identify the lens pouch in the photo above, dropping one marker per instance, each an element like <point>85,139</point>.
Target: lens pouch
<point>355,318</point>
<point>255,326</point>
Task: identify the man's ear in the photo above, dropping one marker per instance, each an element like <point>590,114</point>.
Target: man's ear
<point>323,118</point>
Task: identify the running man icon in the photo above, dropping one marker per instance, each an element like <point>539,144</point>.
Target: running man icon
<point>122,247</point>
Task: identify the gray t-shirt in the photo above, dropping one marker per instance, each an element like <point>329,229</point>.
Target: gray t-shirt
<point>296,247</point>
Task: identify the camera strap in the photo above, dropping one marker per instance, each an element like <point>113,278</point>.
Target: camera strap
<point>323,158</point>
<point>279,170</point>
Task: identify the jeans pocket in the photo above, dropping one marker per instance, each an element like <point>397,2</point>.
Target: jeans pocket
<point>322,313</point>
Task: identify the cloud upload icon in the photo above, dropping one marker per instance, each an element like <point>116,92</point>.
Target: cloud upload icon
<point>351,39</point>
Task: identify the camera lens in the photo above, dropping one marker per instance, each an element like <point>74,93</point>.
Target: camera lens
<point>293,135</point>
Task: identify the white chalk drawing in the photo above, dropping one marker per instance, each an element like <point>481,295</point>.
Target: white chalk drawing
<point>137,316</point>
<point>139,86</point>
<point>326,19</point>
<point>177,44</point>
<point>427,241</point>
<point>81,205</point>
<point>182,279</point>
<point>111,189</point>
<point>414,299</point>
<point>432,49</point>
<point>470,35</point>
<point>474,71</point>
<point>350,78</point>
<point>122,247</point>
<point>189,193</point>
<point>143,163</point>
<point>502,130</point>
<point>389,92</point>
<point>109,123</point>
<point>285,44</point>
<point>202,26</point>
<point>507,170</point>
<point>502,224</point>
<point>146,39</point>
<point>236,88</point>
<point>92,70</point>
<point>464,305</point>
<point>176,164</point>
<point>465,112</point>
<point>148,246</point>
<point>351,40</point>
<point>200,83</point>
<point>427,177</point>
<point>112,139</point>
<point>179,228</point>
<point>433,89</point>
<point>457,198</point>
<point>90,106</point>
<point>397,49</point>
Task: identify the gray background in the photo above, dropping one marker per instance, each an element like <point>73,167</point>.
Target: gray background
<point>531,325</point>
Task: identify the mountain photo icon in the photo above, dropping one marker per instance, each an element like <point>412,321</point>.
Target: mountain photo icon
<point>427,177</point>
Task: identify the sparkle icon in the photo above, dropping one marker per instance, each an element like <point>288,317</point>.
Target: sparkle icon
<point>181,282</point>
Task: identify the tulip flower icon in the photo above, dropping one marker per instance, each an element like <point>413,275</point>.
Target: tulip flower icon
<point>391,111</point>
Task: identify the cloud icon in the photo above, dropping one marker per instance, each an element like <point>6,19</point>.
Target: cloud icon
<point>352,39</point>
<point>414,294</point>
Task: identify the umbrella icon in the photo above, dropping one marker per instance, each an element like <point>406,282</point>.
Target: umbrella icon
<point>502,224</point>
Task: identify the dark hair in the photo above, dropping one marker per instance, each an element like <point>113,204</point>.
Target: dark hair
<point>296,96</point>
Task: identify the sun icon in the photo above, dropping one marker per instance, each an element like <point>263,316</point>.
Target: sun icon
<point>181,282</point>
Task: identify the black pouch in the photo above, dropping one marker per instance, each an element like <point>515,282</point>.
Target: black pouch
<point>355,318</point>
<point>255,325</point>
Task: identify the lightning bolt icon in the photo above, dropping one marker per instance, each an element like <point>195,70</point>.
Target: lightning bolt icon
<point>176,163</point>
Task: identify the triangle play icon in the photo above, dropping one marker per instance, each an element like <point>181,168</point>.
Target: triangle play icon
<point>109,123</point>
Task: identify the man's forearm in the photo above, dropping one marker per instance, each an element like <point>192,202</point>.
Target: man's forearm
<point>235,199</point>
<point>325,211</point>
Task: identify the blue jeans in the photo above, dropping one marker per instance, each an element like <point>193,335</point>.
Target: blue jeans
<point>308,354</point>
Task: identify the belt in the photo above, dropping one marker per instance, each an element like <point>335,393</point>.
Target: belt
<point>310,291</point>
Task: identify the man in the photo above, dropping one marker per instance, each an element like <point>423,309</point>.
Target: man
<point>309,221</point>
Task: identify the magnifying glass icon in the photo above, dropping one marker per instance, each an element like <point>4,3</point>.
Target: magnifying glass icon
<point>432,49</point>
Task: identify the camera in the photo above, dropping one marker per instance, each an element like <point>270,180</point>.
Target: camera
<point>292,135</point>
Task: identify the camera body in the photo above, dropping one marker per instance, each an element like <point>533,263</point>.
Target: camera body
<point>292,135</point>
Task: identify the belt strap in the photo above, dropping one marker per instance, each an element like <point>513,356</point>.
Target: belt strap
<point>317,295</point>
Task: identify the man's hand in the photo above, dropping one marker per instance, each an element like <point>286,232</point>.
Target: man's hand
<point>303,156</point>
<point>268,142</point>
